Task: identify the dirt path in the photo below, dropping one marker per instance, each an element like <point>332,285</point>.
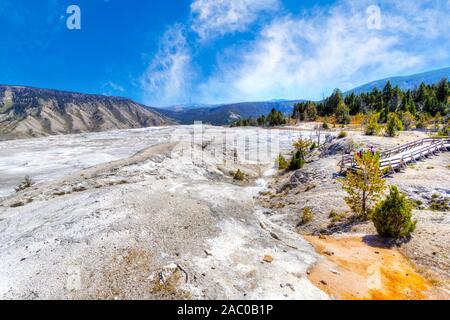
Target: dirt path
<point>362,268</point>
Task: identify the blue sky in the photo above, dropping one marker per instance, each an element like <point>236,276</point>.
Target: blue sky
<point>217,51</point>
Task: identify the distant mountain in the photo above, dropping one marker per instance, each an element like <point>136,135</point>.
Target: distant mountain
<point>32,112</point>
<point>406,82</point>
<point>228,113</point>
<point>184,107</point>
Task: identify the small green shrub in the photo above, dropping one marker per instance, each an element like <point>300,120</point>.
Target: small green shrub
<point>392,217</point>
<point>297,162</point>
<point>386,170</point>
<point>439,204</point>
<point>336,217</point>
<point>307,216</point>
<point>342,135</point>
<point>281,163</point>
<point>393,124</point>
<point>372,127</point>
<point>239,176</point>
<point>313,146</point>
<point>325,126</point>
<point>418,203</point>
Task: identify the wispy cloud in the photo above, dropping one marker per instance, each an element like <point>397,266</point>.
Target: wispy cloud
<point>214,18</point>
<point>167,79</point>
<point>308,56</point>
<point>111,88</point>
<point>300,56</point>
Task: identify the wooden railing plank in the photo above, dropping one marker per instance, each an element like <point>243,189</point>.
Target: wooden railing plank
<point>386,157</point>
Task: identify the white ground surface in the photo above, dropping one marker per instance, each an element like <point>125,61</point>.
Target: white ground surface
<point>107,231</point>
<point>48,158</point>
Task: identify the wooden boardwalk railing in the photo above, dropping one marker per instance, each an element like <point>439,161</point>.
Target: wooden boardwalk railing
<point>399,157</point>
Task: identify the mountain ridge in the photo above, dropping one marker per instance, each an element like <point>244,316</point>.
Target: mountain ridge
<point>27,112</point>
<point>408,82</point>
<point>32,112</point>
<point>227,113</point>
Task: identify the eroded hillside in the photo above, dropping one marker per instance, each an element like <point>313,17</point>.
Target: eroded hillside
<point>31,112</point>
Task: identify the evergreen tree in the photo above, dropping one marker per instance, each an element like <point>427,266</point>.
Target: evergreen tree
<point>354,103</point>
<point>393,217</point>
<point>422,94</point>
<point>410,105</point>
<point>396,100</point>
<point>342,113</point>
<point>372,127</point>
<point>365,186</point>
<point>311,112</point>
<point>387,93</point>
<point>431,105</point>
<point>443,90</point>
<point>281,163</point>
<point>301,149</point>
<point>305,111</point>
<point>261,121</point>
<point>425,99</point>
<point>393,124</point>
<point>333,102</point>
<point>275,118</point>
<point>299,111</point>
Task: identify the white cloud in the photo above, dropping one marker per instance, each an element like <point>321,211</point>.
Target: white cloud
<point>111,88</point>
<point>114,86</point>
<point>298,56</point>
<point>426,19</point>
<point>308,56</point>
<point>214,18</point>
<point>167,78</point>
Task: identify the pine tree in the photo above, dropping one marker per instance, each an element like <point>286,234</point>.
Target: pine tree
<point>301,149</point>
<point>354,103</point>
<point>281,163</point>
<point>342,113</point>
<point>275,118</point>
<point>431,105</point>
<point>396,100</point>
<point>365,186</point>
<point>262,121</point>
<point>410,105</point>
<point>297,161</point>
<point>387,93</point>
<point>372,127</point>
<point>302,146</point>
<point>393,124</point>
<point>422,94</point>
<point>299,111</point>
<point>311,112</point>
<point>393,217</point>
<point>443,90</point>
<point>429,99</point>
<point>332,103</point>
